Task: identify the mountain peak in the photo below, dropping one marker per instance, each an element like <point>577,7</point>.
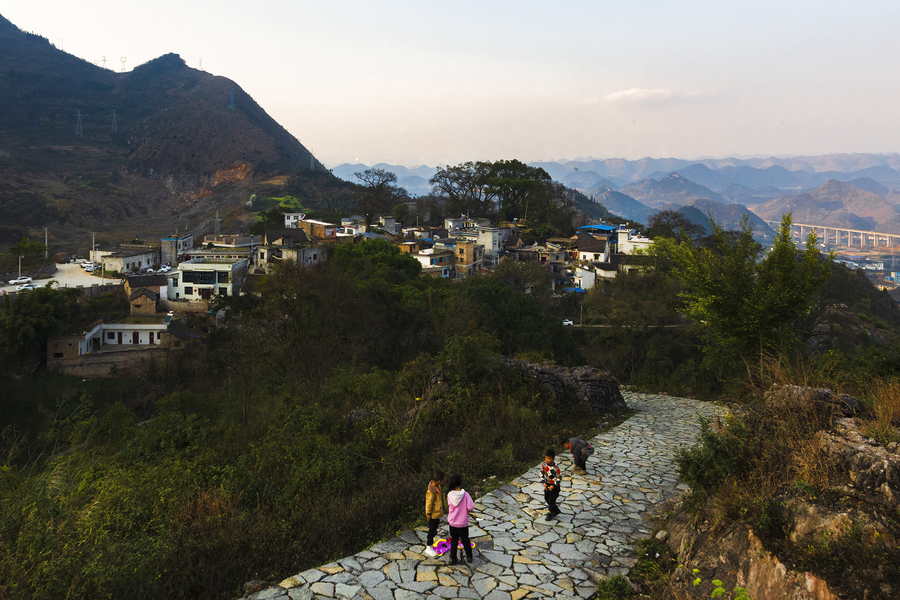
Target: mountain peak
<point>170,62</point>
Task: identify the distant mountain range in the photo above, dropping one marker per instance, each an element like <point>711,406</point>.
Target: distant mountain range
<point>848,190</point>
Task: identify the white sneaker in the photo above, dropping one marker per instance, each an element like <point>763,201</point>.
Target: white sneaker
<point>430,551</point>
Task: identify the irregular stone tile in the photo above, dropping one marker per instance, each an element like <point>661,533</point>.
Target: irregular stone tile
<point>504,560</point>
<point>484,586</point>
<point>332,568</point>
<point>342,590</point>
<point>371,578</point>
<point>323,589</point>
<point>312,575</point>
<point>269,594</point>
<point>419,587</point>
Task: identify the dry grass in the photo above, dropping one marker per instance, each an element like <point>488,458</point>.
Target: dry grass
<point>816,372</point>
<point>885,397</point>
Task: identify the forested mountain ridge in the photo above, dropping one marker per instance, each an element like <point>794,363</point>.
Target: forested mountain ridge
<point>161,146</point>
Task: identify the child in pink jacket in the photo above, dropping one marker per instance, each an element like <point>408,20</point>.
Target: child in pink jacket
<point>460,505</point>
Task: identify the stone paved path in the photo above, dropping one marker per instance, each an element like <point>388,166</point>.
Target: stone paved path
<point>517,553</point>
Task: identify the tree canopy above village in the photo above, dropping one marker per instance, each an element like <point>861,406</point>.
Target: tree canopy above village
<point>508,190</point>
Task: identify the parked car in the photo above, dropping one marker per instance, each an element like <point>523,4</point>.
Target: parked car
<point>20,280</point>
<point>568,322</point>
<point>27,286</point>
<point>86,265</point>
<point>89,268</point>
<point>165,269</point>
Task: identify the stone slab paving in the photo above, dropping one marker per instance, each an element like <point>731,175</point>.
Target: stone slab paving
<point>517,553</point>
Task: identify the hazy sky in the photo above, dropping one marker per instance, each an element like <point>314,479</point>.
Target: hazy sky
<point>426,82</point>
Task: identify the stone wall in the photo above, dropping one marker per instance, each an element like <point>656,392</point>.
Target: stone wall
<point>597,388</point>
<point>143,305</point>
<point>66,346</point>
<point>109,363</point>
<point>198,306</point>
<point>93,291</point>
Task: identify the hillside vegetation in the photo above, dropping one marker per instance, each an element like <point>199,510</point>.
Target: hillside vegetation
<point>308,426</point>
<point>298,434</point>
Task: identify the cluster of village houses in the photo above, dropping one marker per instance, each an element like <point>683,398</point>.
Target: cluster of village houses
<point>223,265</point>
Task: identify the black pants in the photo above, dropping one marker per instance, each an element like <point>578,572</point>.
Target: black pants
<point>550,495</point>
<point>580,462</point>
<point>432,530</point>
<point>457,534</point>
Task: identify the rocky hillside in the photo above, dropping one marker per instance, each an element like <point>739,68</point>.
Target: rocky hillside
<point>157,148</point>
<point>835,204</point>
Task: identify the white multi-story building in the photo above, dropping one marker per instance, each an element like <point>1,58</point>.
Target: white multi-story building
<point>630,240</point>
<point>202,279</point>
<point>292,220</point>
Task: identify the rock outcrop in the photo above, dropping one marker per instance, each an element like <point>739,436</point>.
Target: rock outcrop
<point>822,398</point>
<point>735,555</point>
<point>597,388</point>
<point>854,513</point>
<point>872,471</point>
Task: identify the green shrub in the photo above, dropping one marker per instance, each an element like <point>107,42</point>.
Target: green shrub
<point>719,454</point>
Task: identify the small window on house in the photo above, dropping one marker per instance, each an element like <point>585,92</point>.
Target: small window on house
<point>188,291</point>
<point>57,355</point>
<point>110,335</point>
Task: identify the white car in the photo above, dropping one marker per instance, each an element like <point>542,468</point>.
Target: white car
<point>87,266</point>
<point>165,269</point>
<point>27,286</point>
<point>20,280</point>
<point>568,322</point>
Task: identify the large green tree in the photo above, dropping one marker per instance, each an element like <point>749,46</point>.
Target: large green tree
<point>379,192</point>
<point>742,301</point>
<point>28,321</point>
<point>517,187</point>
<point>463,188</point>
